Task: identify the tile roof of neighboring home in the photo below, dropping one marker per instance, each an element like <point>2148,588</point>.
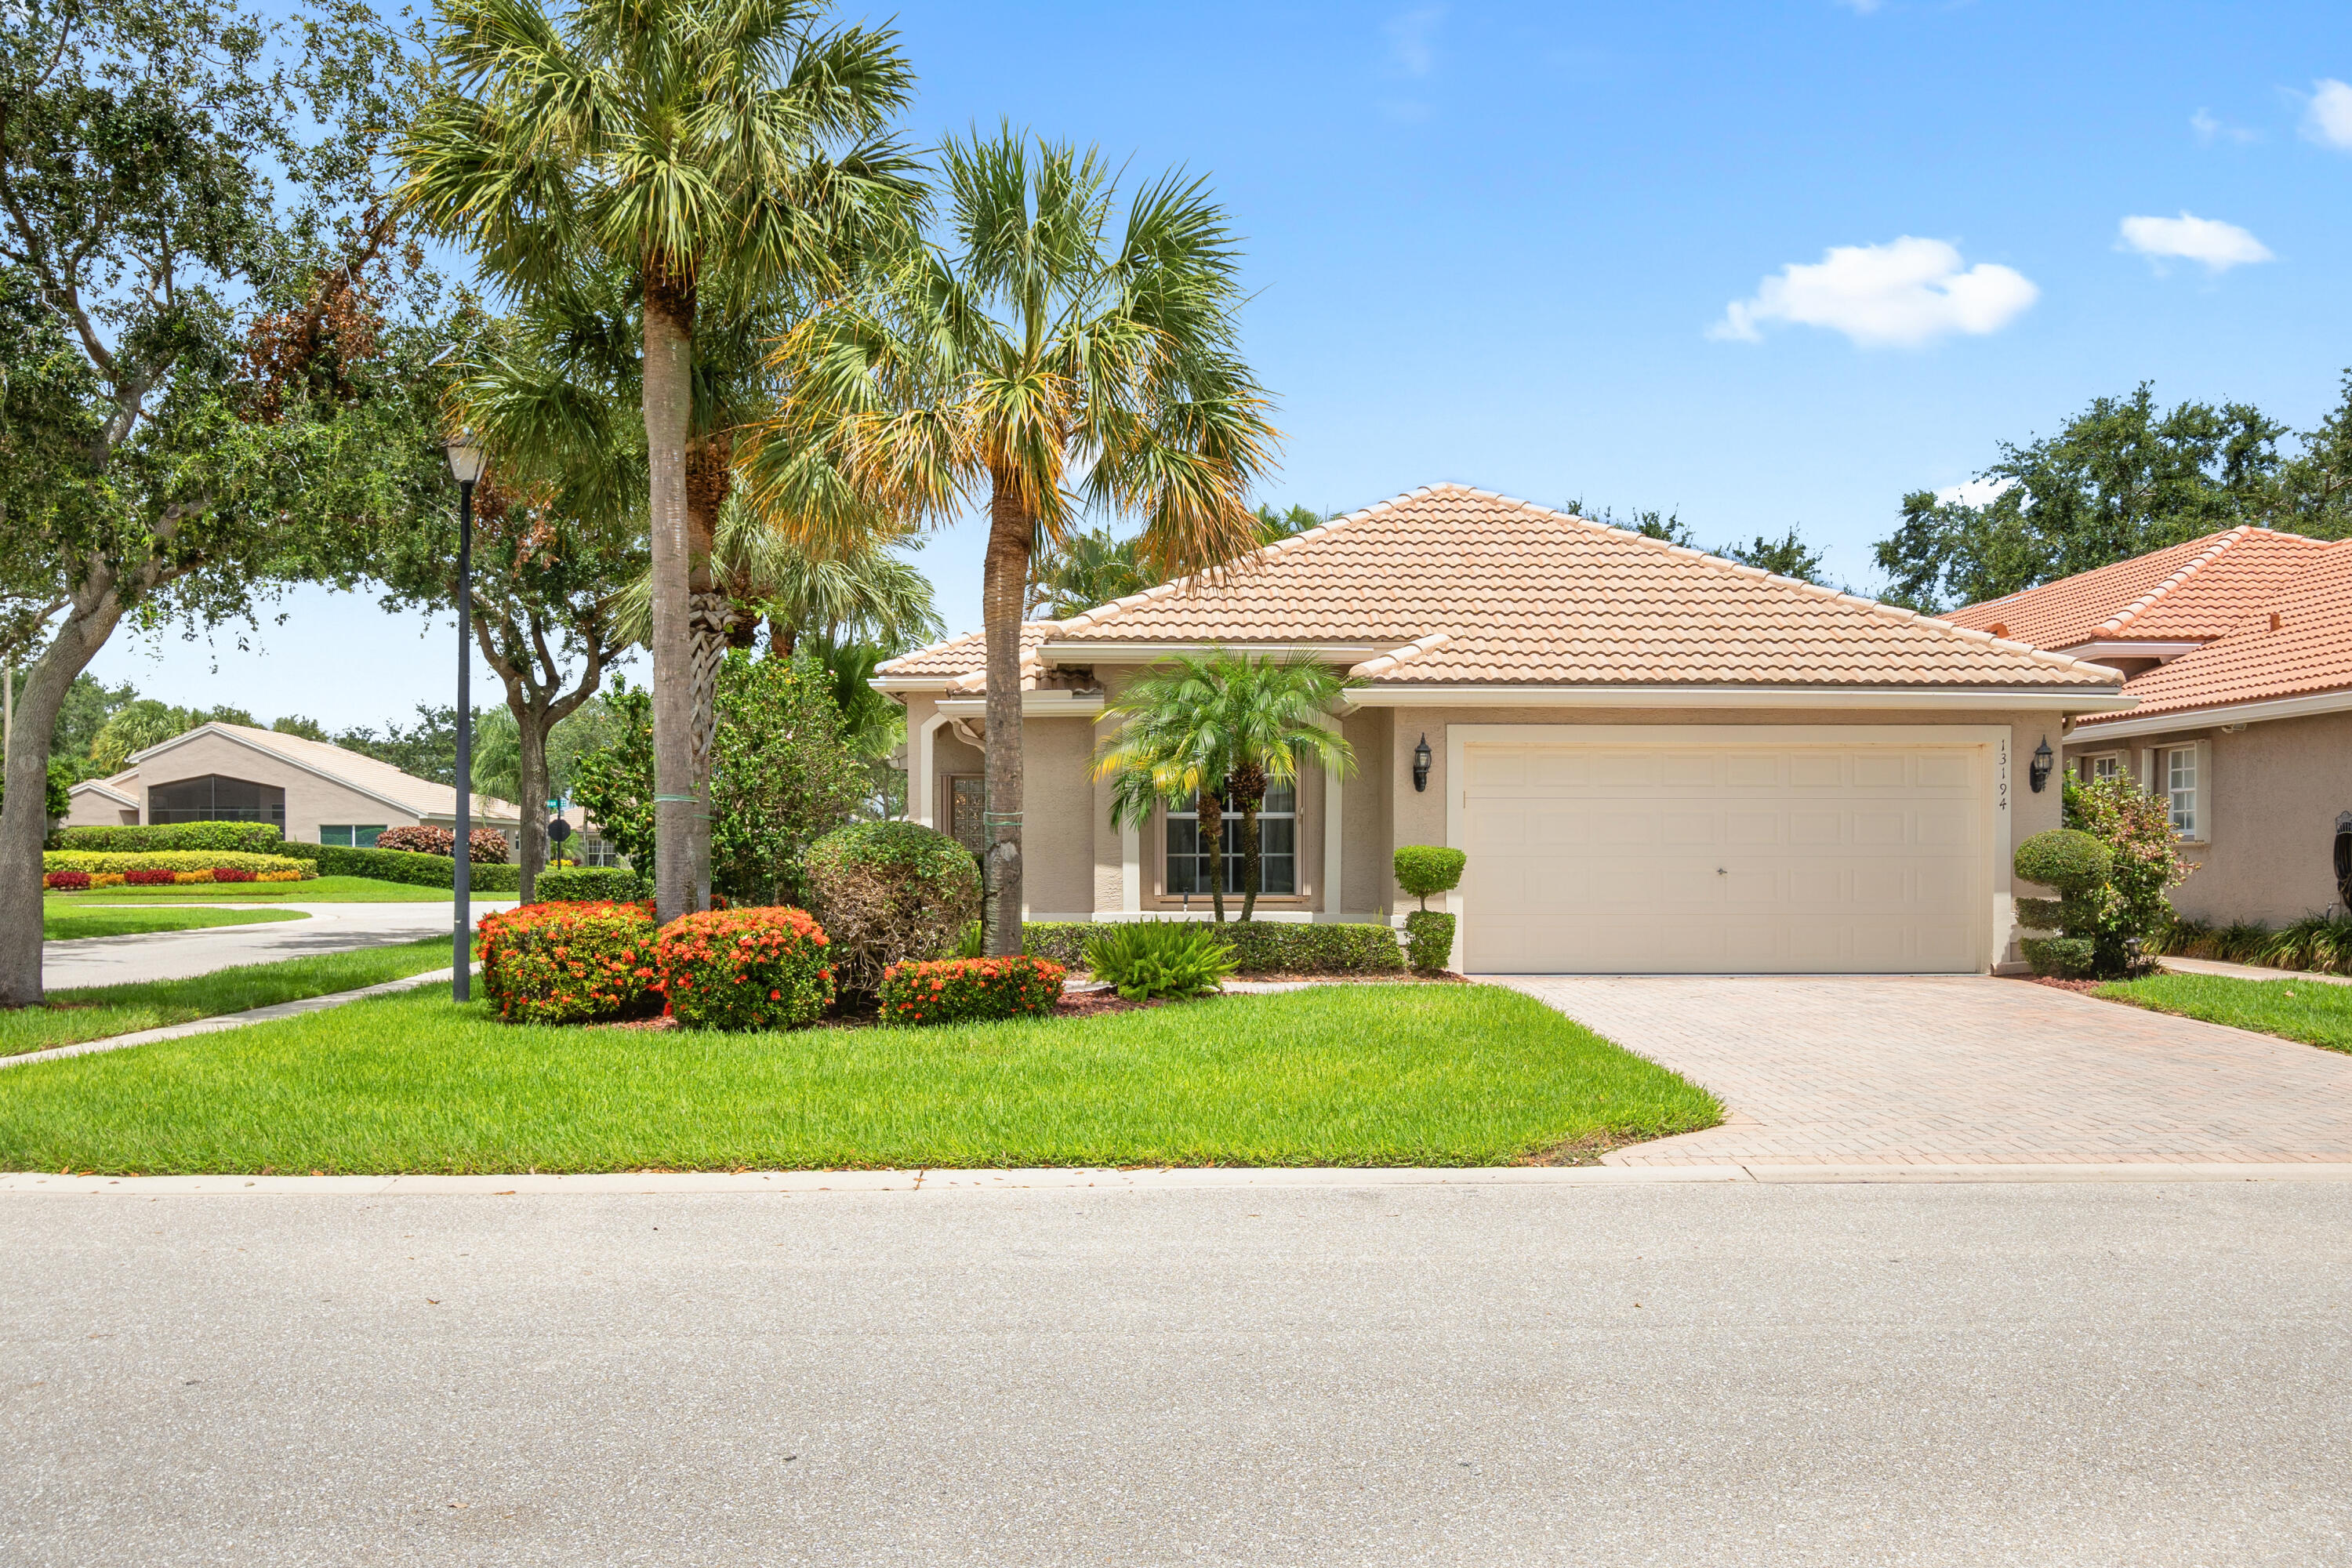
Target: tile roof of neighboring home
<point>2309,649</point>
<point>1465,586</point>
<point>2187,593</point>
<point>421,797</point>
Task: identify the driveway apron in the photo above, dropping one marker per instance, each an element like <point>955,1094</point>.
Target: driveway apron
<point>1828,1070</point>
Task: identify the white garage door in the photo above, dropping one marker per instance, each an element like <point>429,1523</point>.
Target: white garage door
<point>1743,857</point>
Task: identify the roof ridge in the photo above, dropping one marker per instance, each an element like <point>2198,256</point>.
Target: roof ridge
<point>1406,653</point>
<point>2141,606</point>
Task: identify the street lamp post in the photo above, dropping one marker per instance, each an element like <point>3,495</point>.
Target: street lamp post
<point>465,459</point>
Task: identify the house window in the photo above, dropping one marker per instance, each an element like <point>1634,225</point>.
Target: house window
<point>1277,846</point>
<point>2108,766</point>
<point>351,836</point>
<point>593,849</point>
<point>213,798</point>
<point>2180,789</point>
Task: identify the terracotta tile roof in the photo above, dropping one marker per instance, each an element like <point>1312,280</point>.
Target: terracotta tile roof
<point>1462,585</point>
<point>962,662</point>
<point>2308,650</point>
<point>2187,593</point>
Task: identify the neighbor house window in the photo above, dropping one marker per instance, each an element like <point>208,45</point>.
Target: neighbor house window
<point>351,836</point>
<point>213,798</point>
<point>2110,766</point>
<point>2180,789</point>
<point>1278,843</point>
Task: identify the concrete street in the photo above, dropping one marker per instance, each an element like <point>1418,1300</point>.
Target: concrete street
<point>177,954</point>
<point>2126,1373</point>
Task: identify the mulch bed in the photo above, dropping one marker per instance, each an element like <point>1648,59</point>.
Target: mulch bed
<point>2078,986</point>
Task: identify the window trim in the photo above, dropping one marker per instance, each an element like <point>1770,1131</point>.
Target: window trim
<point>2199,790</point>
<point>1165,819</point>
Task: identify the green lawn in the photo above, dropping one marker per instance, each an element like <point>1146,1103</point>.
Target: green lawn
<point>94,1011</point>
<point>63,919</point>
<point>2311,1011</point>
<point>1344,1075</point>
<point>317,890</point>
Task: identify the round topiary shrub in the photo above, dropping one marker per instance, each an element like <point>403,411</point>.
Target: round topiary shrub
<point>1425,868</point>
<point>768,968</point>
<point>568,963</point>
<point>2072,862</point>
<point>889,893</point>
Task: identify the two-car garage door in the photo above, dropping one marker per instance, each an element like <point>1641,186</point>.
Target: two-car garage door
<point>1748,857</point>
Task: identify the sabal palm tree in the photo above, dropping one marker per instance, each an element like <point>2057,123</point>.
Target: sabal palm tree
<point>1220,731</point>
<point>1085,570</point>
<point>710,151</point>
<point>1055,355</point>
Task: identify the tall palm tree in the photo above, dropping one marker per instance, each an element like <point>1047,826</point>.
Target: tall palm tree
<point>1221,730</point>
<point>1055,355</point>
<point>1085,570</point>
<point>709,151</point>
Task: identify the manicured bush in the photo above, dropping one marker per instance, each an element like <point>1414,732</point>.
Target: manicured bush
<point>967,990</point>
<point>281,875</point>
<point>567,962</point>
<point>2072,862</point>
<point>1143,959</point>
<point>889,892</point>
<point>249,837</point>
<point>94,861</point>
<point>107,880</point>
<point>190,879</point>
<point>66,882</point>
<point>2145,866</point>
<point>234,874</point>
<point>1425,868</point>
<point>2064,957</point>
<point>1260,947</point>
<point>148,877</point>
<point>1428,940</point>
<point>761,968</point>
<point>487,846</point>
<point>400,866</point>
<point>585,885</point>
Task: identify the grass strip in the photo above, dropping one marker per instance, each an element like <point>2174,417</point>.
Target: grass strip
<point>317,890</point>
<point>63,921</point>
<point>94,1011</point>
<point>2311,1011</point>
<point>1350,1076</point>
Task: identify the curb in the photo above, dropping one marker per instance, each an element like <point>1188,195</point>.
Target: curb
<point>789,1182</point>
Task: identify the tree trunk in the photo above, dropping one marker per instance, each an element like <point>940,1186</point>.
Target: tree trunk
<point>669,406</point>
<point>1212,829</point>
<point>1004,584</point>
<point>709,476</point>
<point>23,817</point>
<point>531,726</point>
<point>1250,865</point>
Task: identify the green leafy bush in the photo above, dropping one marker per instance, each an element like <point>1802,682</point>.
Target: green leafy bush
<point>762,968</point>
<point>568,963</point>
<point>1143,959</point>
<point>250,838</point>
<point>1428,940</point>
<point>966,990</point>
<point>2065,957</point>
<point>97,861</point>
<point>1260,947</point>
<point>1422,869</point>
<point>2072,861</point>
<point>585,885</point>
<point>2144,866</point>
<point>400,866</point>
<point>889,892</point>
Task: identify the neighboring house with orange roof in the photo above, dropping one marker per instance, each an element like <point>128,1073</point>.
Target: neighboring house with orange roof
<point>314,792</point>
<point>2237,648</point>
<point>1657,760</point>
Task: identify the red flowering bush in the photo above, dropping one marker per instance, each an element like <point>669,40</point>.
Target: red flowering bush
<point>66,882</point>
<point>564,963</point>
<point>231,874</point>
<point>154,876</point>
<point>955,990</point>
<point>761,968</point>
<point>484,845</point>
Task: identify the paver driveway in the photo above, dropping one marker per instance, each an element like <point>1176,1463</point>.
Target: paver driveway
<point>1961,1070</point>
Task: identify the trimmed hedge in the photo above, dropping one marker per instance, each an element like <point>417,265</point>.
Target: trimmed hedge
<point>764,968</point>
<point>1429,939</point>
<point>94,861</point>
<point>2065,859</point>
<point>584,885</point>
<point>1260,947</point>
<point>1425,868</point>
<point>247,838</point>
<point>968,990</point>
<point>400,866</point>
<point>65,881</point>
<point>568,963</point>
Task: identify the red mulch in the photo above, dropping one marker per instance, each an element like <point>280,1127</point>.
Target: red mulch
<point>2057,984</point>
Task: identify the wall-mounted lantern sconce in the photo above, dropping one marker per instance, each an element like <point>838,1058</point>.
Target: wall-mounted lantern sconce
<point>2040,772</point>
<point>1421,765</point>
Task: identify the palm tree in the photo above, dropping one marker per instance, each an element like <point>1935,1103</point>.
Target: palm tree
<point>1082,571</point>
<point>1054,355</point>
<point>1220,731</point>
<point>710,151</point>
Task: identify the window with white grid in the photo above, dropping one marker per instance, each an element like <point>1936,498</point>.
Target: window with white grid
<point>2180,789</point>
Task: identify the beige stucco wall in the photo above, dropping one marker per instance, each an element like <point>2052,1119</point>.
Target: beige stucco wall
<point>309,799</point>
<point>2275,790</point>
<point>91,809</point>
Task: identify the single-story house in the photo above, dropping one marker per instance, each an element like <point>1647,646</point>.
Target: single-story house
<point>2237,648</point>
<point>315,792</point>
<point>1657,760</point>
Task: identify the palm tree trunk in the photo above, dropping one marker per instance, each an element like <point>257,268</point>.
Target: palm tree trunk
<point>1004,583</point>
<point>1250,866</point>
<point>669,406</point>
<point>709,476</point>
<point>1211,828</point>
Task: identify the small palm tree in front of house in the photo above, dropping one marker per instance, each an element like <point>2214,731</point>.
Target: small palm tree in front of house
<point>1219,731</point>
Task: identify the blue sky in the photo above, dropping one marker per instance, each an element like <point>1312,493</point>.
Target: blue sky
<point>1766,264</point>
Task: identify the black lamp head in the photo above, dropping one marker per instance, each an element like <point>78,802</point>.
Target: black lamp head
<point>2043,761</point>
<point>1421,760</point>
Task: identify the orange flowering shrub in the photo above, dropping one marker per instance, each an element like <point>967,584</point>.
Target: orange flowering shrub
<point>745,969</point>
<point>189,879</point>
<point>956,990</point>
<point>565,963</point>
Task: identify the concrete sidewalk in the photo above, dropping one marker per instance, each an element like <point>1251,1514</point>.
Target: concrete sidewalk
<point>183,955</point>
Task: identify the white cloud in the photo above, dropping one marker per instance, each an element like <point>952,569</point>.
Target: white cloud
<point>1975,493</point>
<point>2209,129</point>
<point>2328,119</point>
<point>1413,38</point>
<point>1902,294</point>
<point>2219,245</point>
